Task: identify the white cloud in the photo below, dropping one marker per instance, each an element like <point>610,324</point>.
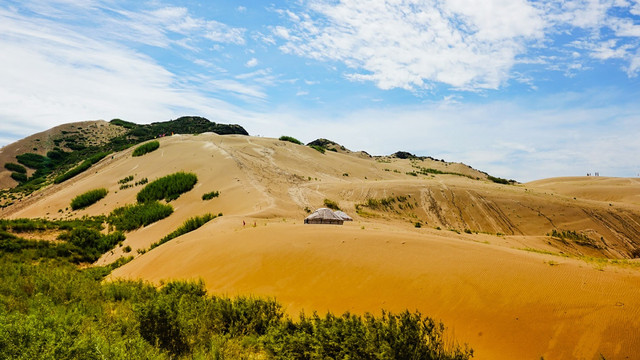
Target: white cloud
<point>415,43</point>
<point>465,44</point>
<point>252,62</point>
<point>52,74</point>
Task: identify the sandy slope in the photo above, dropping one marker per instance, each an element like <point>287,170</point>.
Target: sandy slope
<point>508,304</point>
<point>505,302</point>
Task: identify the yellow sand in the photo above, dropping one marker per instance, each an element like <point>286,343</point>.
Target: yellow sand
<point>505,302</point>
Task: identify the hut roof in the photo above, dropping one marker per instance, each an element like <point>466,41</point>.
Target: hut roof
<point>343,215</point>
<point>324,214</point>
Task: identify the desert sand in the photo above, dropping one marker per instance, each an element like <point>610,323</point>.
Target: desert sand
<point>505,302</point>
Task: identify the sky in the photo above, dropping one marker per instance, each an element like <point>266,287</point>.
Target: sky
<point>520,89</point>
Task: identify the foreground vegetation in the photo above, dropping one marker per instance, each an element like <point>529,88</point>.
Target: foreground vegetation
<point>78,241</point>
<point>51,308</point>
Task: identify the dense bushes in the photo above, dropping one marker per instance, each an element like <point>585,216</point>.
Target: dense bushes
<point>80,168</point>
<point>146,148</point>
<point>19,177</point>
<point>290,139</point>
<point>89,198</point>
<point>15,168</point>
<point>169,187</point>
<point>53,309</point>
<point>391,336</point>
<point>210,195</point>
<point>188,226</point>
<point>33,161</point>
<point>82,242</point>
<point>131,217</point>
<point>500,180</point>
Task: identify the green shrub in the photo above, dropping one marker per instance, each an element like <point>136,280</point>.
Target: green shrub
<point>15,167</point>
<point>131,217</point>
<point>391,336</point>
<point>19,177</point>
<point>331,204</point>
<point>318,148</point>
<point>89,198</point>
<point>125,179</point>
<point>169,187</point>
<point>188,226</point>
<point>80,168</point>
<point>210,195</point>
<point>290,139</point>
<point>500,180</point>
<point>33,161</point>
<point>146,148</point>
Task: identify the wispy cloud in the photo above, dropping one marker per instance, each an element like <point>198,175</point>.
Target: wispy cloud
<point>468,45</point>
<point>52,74</point>
<point>414,44</point>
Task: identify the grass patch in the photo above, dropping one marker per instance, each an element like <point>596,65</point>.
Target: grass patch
<point>169,187</point>
<point>131,217</point>
<point>210,195</point>
<point>146,148</point>
<point>89,198</point>
<point>290,139</point>
<point>188,226</point>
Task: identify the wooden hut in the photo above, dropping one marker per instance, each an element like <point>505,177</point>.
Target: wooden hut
<point>324,216</point>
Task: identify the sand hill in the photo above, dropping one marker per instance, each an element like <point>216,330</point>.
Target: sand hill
<point>482,260</point>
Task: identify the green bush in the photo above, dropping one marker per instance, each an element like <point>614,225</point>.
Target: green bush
<point>80,168</point>
<point>331,204</point>
<point>15,167</point>
<point>19,177</point>
<point>210,195</point>
<point>500,180</point>
<point>188,226</point>
<point>89,198</point>
<point>33,161</point>
<point>318,148</point>
<point>169,187</point>
<point>290,139</point>
<point>53,309</point>
<point>146,148</point>
<point>131,217</point>
<point>125,179</point>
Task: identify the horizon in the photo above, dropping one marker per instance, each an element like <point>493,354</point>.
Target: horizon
<point>523,90</point>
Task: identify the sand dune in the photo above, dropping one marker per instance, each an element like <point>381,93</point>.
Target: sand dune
<point>505,302</point>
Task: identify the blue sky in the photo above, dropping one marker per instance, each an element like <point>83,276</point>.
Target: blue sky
<point>521,89</point>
